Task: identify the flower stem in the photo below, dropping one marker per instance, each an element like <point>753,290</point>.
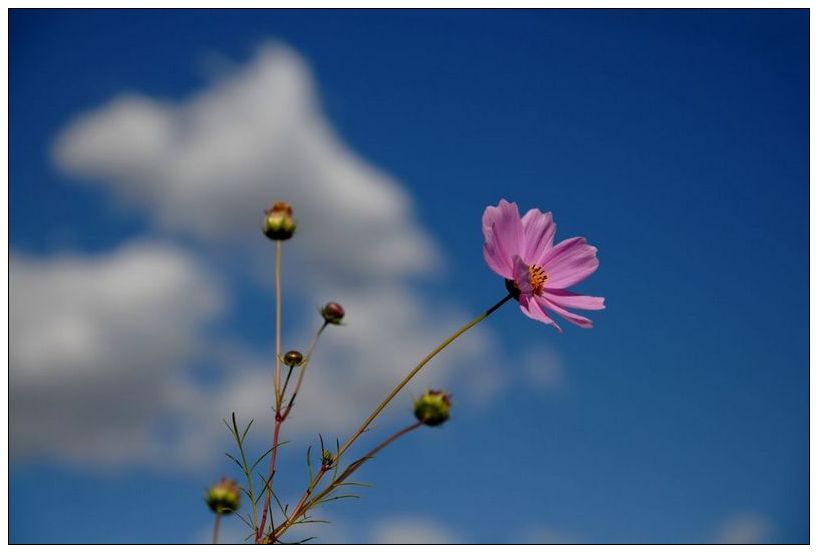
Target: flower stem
<point>278,398</point>
<point>316,479</point>
<point>216,524</point>
<point>278,324</point>
<point>462,330</point>
<point>303,368</point>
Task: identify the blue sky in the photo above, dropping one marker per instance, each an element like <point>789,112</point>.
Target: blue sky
<point>144,145</point>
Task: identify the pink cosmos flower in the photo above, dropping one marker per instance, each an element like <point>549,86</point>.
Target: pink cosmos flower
<point>537,272</point>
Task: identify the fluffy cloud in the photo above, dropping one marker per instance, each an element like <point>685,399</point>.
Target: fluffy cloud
<point>208,166</point>
<point>116,342</point>
<point>96,348</point>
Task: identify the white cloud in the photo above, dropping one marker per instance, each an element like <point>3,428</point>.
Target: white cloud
<point>205,167</point>
<point>744,528</point>
<point>96,344</point>
<point>412,530</point>
<point>209,165</point>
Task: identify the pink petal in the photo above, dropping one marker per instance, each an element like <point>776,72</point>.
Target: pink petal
<point>497,259</point>
<point>538,235</point>
<point>565,298</point>
<point>503,231</point>
<point>569,262</point>
<point>520,276</point>
<point>534,311</point>
<point>578,320</point>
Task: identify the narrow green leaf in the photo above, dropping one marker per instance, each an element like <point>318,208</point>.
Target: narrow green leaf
<point>235,461</point>
<point>311,521</point>
<point>361,484</point>
<point>336,497</point>
<point>309,462</point>
<point>265,454</point>
<point>244,520</point>
<point>249,495</point>
<point>246,430</point>
<point>281,507</point>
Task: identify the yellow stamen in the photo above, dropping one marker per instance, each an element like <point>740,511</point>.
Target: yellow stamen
<point>537,277</point>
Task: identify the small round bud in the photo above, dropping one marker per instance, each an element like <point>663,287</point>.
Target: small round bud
<point>327,459</point>
<point>432,408</point>
<point>333,313</point>
<point>293,358</point>
<point>278,222</point>
<point>223,497</point>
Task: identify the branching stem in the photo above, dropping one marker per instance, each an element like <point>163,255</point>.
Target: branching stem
<point>303,504</point>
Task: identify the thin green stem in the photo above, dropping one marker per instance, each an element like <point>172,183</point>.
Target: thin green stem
<point>216,524</point>
<point>287,379</point>
<point>303,368</point>
<point>462,330</point>
<point>278,323</point>
<point>316,479</point>
<point>278,396</point>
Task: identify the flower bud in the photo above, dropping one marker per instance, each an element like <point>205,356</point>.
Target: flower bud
<point>223,497</point>
<point>278,222</point>
<point>332,313</point>
<point>327,459</point>
<point>293,358</point>
<point>432,409</point>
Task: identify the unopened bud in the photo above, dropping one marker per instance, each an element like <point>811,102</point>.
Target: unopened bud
<point>278,222</point>
<point>332,313</point>
<point>432,408</point>
<point>327,459</point>
<point>293,358</point>
<point>223,497</point>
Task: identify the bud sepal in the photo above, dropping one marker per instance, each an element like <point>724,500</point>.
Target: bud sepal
<point>224,496</point>
<point>333,313</point>
<point>278,222</point>
<point>432,408</point>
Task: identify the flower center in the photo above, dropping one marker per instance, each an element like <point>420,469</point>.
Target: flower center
<point>537,277</point>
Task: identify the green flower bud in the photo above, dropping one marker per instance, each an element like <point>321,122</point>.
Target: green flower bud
<point>327,459</point>
<point>332,313</point>
<point>223,497</point>
<point>278,222</point>
<point>293,358</point>
<point>432,408</point>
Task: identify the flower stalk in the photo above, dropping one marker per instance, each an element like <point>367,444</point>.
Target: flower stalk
<point>459,332</point>
<point>278,396</point>
<point>216,524</point>
<point>303,369</point>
